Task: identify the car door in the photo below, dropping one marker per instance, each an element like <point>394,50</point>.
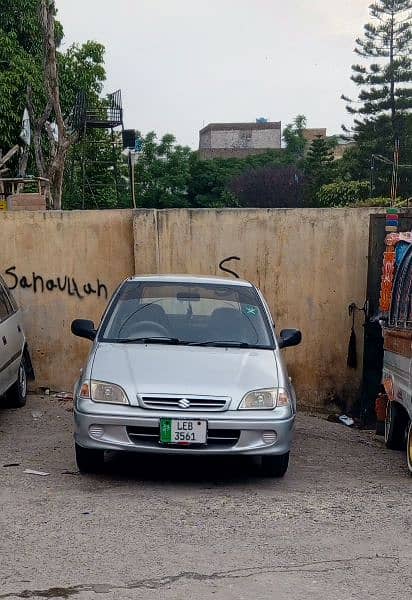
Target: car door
<point>11,339</point>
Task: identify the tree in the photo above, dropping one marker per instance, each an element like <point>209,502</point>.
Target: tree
<point>385,82</point>
<point>52,167</point>
<point>293,135</point>
<point>20,63</point>
<point>318,166</point>
<point>162,173</point>
<point>272,186</point>
<point>342,193</point>
<point>90,180</point>
<point>22,66</point>
<point>81,67</point>
<point>209,184</point>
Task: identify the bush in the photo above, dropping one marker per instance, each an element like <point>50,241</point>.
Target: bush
<point>271,186</point>
<point>376,202</point>
<point>371,202</point>
<point>342,193</point>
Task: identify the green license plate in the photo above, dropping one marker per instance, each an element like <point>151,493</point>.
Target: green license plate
<point>183,431</point>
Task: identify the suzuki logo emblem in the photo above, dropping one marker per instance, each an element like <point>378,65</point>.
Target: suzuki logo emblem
<point>184,403</point>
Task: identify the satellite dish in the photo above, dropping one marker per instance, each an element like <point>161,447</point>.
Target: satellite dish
<point>25,133</point>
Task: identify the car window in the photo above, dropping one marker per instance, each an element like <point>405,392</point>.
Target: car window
<point>5,308</point>
<point>9,295</point>
<point>405,308</point>
<point>190,313</point>
<point>401,310</point>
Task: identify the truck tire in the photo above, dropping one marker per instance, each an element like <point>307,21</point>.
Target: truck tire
<point>89,460</point>
<point>17,394</point>
<point>409,448</point>
<point>275,466</point>
<point>395,427</point>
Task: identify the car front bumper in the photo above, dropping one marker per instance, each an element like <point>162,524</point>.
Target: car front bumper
<point>232,432</point>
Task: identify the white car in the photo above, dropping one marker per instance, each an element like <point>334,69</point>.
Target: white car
<point>15,363</point>
<point>188,365</point>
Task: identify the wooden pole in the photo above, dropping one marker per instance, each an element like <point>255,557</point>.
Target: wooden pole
<point>133,186</point>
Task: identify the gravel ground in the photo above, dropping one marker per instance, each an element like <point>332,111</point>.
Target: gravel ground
<point>338,526</point>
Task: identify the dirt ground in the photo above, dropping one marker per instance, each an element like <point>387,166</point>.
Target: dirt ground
<point>338,526</point>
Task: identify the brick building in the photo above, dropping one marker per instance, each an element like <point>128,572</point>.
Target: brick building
<point>238,140</point>
<point>312,134</point>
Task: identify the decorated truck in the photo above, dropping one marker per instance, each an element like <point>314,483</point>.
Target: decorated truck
<point>396,321</point>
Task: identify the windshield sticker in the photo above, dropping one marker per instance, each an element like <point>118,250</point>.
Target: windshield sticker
<point>250,311</point>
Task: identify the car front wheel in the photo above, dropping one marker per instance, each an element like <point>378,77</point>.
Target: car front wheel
<point>275,466</point>
<point>17,394</point>
<point>89,460</point>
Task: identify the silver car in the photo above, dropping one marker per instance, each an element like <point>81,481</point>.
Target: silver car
<point>185,365</point>
<point>15,363</point>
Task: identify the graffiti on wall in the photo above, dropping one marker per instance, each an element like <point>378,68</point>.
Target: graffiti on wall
<point>65,284</point>
<point>225,269</point>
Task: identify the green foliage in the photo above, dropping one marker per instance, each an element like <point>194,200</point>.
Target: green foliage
<point>17,69</point>
<point>81,68</point>
<point>21,19</point>
<point>374,138</point>
<point>21,64</point>
<point>342,193</point>
<point>373,202</point>
<point>209,184</point>
<point>385,98</point>
<point>271,186</point>
<point>90,177</point>
<point>162,173</point>
<point>318,167</point>
<point>293,135</point>
<point>387,42</point>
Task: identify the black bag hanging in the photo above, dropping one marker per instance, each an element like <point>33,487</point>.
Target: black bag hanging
<point>352,360</point>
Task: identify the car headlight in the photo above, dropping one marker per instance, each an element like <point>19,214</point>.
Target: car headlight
<point>267,399</point>
<point>100,391</point>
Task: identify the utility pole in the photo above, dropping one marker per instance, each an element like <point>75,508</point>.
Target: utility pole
<point>395,173</point>
<point>131,160</point>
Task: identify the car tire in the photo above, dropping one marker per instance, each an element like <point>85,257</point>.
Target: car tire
<point>17,395</point>
<point>395,427</point>
<point>275,466</point>
<point>89,460</point>
<point>409,448</point>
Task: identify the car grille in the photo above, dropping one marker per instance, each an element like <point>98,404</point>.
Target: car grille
<point>184,403</point>
<point>215,437</point>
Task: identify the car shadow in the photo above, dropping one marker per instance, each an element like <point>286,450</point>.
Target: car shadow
<point>216,470</point>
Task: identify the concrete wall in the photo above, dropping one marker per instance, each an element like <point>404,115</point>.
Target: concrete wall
<point>212,153</point>
<point>310,265</point>
<point>251,138</point>
<point>230,140</point>
<point>61,264</point>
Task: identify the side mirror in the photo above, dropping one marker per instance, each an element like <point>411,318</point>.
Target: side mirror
<point>84,328</point>
<point>289,337</point>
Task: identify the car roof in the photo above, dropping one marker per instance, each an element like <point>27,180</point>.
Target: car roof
<point>193,279</point>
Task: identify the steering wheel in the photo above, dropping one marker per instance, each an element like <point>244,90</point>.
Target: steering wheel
<point>147,329</point>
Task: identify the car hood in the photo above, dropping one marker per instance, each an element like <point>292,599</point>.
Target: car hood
<point>205,371</point>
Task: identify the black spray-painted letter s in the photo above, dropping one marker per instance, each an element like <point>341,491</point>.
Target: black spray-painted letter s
<point>9,271</point>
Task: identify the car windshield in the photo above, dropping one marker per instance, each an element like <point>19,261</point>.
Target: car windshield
<point>184,313</point>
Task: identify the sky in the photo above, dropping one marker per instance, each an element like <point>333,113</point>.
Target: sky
<point>182,64</point>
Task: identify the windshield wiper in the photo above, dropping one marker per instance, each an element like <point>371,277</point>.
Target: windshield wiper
<point>150,340</point>
<point>222,343</point>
